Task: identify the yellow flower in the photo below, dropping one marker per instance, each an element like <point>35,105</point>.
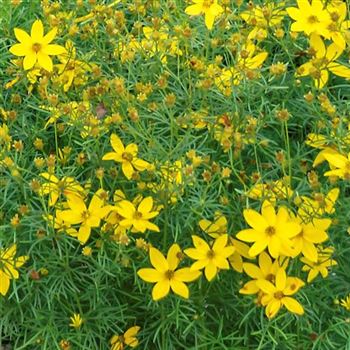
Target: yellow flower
<point>266,270</point>
<point>341,163</point>
<point>321,266</point>
<point>8,267</point>
<point>310,234</point>
<point>270,230</point>
<point>210,258</point>
<point>165,274</point>
<point>128,338</point>
<point>137,218</point>
<point>214,228</point>
<point>323,62</point>
<point>76,321</point>
<point>87,217</point>
<point>55,187</point>
<point>127,156</point>
<point>338,28</point>
<point>70,70</point>
<point>263,17</point>
<point>87,251</point>
<point>311,208</point>
<point>36,48</point>
<point>310,18</point>
<point>210,8</point>
<point>279,294</point>
<point>346,303</point>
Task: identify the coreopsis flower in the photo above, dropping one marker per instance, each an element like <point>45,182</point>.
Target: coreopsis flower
<point>263,17</point>
<point>311,233</point>
<point>278,294</point>
<point>56,188</point>
<point>341,164</point>
<point>138,217</point>
<point>8,267</point>
<point>309,18</point>
<point>210,258</point>
<point>70,70</point>
<point>269,230</point>
<point>321,266</point>
<point>87,217</point>
<point>309,208</point>
<point>214,228</point>
<point>266,270</point>
<point>76,321</point>
<point>323,62</point>
<point>128,338</point>
<point>247,61</point>
<point>338,27</point>
<point>345,303</point>
<point>217,228</point>
<point>36,47</point>
<point>127,156</point>
<point>165,273</point>
<point>59,224</point>
<point>210,8</point>
<point>279,189</point>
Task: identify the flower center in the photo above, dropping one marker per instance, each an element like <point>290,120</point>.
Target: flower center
<point>127,156</point>
<point>270,230</point>
<point>278,295</point>
<point>270,277</point>
<point>36,47</point>
<point>85,215</point>
<point>312,19</point>
<point>137,215</point>
<point>169,274</point>
<point>207,3</point>
<point>210,254</point>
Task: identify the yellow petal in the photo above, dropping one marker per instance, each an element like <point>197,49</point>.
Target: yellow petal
<point>173,256</point>
<point>37,32</point>
<point>157,260</point>
<point>161,289</point>
<point>146,205</point>
<point>258,247</point>
<point>84,234</point>
<point>186,274</point>
<point>179,288</point>
<point>20,50</point>
<point>22,36</point>
<point>281,279</point>
<point>210,271</point>
<point>29,61</point>
<point>50,36</point>
<point>194,10</point>
<point>292,305</point>
<point>4,283</point>
<point>127,169</point>
<point>150,275</point>
<point>255,220</point>
<point>44,61</point>
<point>53,50</point>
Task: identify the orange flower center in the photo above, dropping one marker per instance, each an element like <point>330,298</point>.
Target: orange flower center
<point>210,254</point>
<point>312,19</point>
<point>278,295</point>
<point>137,215</point>
<point>36,47</point>
<point>169,274</point>
<point>127,156</point>
<point>207,4</point>
<point>270,231</point>
<point>85,215</point>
